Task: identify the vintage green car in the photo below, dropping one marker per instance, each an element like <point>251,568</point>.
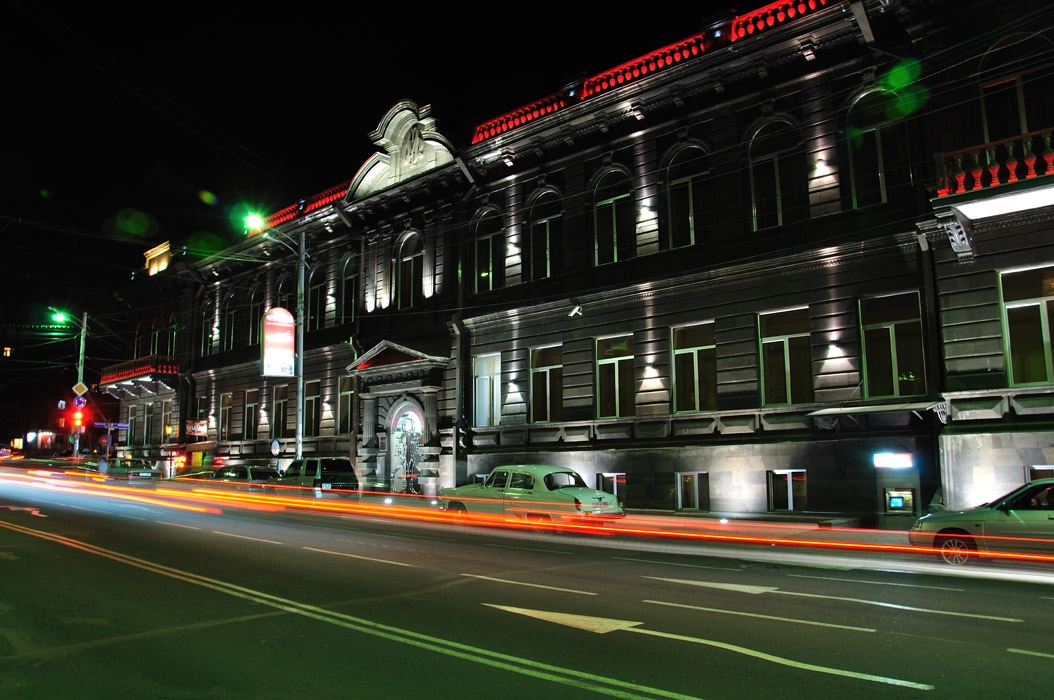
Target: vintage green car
<point>535,492</point>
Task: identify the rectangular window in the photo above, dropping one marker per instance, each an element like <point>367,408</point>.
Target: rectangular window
<point>547,384</point>
<point>252,414</point>
<point>149,419</point>
<point>893,356</point>
<point>787,489</point>
<point>312,408</point>
<point>226,404</point>
<point>694,368</point>
<point>1028,301</point>
<point>486,375</point>
<point>786,359</point>
<point>347,395</point>
<point>545,238</point>
<point>278,415</point>
<point>169,430</point>
<point>134,436</point>
<point>616,397</point>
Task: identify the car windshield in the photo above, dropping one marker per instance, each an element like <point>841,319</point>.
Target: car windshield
<point>563,480</point>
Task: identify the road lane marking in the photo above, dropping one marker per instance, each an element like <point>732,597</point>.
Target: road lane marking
<point>603,625</point>
<point>881,583</point>
<point>763,617</point>
<point>756,590</point>
<point>1031,653</point>
<point>671,563</point>
<point>530,585</point>
<point>359,556</point>
<point>245,537</point>
<point>189,527</point>
<point>529,549</point>
<point>581,680</point>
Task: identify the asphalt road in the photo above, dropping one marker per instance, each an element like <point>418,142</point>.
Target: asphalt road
<point>105,597</point>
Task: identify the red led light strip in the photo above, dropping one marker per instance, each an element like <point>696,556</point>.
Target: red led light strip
<point>770,15</point>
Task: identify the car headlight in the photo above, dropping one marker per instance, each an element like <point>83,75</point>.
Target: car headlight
<point>918,524</point>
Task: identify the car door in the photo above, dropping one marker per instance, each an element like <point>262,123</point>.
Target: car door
<point>1022,523</point>
<point>490,499</point>
<point>519,495</point>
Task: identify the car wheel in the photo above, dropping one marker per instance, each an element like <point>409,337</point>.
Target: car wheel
<point>955,549</point>
<point>457,509</point>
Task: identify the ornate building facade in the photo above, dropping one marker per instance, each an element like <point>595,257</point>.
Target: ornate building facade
<point>745,272</point>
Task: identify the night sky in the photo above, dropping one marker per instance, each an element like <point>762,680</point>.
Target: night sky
<point>127,129</point>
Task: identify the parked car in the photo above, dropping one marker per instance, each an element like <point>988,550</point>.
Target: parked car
<point>1022,522</point>
<point>534,492</point>
<point>129,469</point>
<point>318,476</point>
<point>243,477</point>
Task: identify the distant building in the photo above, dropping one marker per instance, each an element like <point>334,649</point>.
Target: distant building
<point>786,264</point>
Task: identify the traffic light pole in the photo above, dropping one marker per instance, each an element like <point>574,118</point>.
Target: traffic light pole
<point>80,380</point>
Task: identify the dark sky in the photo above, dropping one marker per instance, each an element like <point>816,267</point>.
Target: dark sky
<point>123,129</point>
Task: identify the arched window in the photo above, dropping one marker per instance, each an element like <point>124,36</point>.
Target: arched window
<point>1015,87</point>
<point>614,219</point>
<point>286,296</point>
<point>349,290</point>
<point>879,160</point>
<point>256,311</point>
<point>490,252</point>
<point>546,236</point>
<point>411,271</point>
<point>230,317</point>
<point>207,328</point>
<point>142,340</point>
<point>777,176</point>
<point>315,313</point>
<point>687,210</point>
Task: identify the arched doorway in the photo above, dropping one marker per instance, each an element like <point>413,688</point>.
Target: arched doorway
<point>407,433</point>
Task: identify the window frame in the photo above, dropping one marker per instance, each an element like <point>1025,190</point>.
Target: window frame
<point>788,353</point>
<point>694,351</point>
<point>1045,305</point>
<point>554,393</point>
<point>892,335</point>
<point>491,389</point>
<point>620,362</point>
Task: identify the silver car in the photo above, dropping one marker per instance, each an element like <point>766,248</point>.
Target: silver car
<point>1021,522</point>
<point>535,492</point>
<point>130,469</point>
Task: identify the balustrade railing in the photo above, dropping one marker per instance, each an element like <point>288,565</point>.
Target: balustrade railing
<point>996,163</point>
<point>141,367</point>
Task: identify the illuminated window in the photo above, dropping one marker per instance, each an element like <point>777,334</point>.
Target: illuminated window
<point>207,329</point>
<point>7,352</point>
<point>547,230</point>
<point>344,406</point>
<point>879,159</point>
<point>616,396</point>
<point>251,426</point>
<point>694,368</point>
<point>280,403</point>
<point>777,176</point>
<point>486,382</point>
<point>169,430</point>
<point>411,271</point>
<point>312,408</point>
<point>256,311</point>
<point>490,252</point>
<point>226,405</point>
<point>893,355</point>
<point>787,489</point>
<point>547,384</point>
<point>315,314</point>
<point>1028,302</point>
<point>349,298</point>
<point>687,178</point>
<point>786,357</point>
<point>614,219</point>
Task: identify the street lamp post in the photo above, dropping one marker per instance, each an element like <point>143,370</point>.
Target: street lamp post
<point>255,223</point>
<point>61,317</point>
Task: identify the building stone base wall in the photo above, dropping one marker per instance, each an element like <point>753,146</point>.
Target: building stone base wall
<point>977,468</point>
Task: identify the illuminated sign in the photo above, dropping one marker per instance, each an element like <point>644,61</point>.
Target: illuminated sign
<point>277,347</point>
<point>892,460</point>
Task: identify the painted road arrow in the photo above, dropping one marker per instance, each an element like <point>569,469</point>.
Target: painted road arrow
<point>604,625</point>
<point>757,590</point>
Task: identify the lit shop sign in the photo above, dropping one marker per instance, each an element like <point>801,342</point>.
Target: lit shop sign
<point>277,346</point>
<point>892,460</point>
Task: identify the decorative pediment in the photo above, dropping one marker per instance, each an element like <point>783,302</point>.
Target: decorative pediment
<point>387,354</point>
<point>409,145</point>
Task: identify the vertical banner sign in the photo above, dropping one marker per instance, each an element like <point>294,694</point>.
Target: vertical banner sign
<point>278,346</point>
